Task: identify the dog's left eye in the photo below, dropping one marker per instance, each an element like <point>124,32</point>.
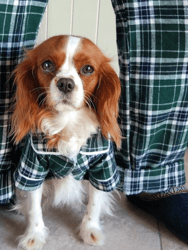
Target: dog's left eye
<point>87,70</point>
<point>48,66</point>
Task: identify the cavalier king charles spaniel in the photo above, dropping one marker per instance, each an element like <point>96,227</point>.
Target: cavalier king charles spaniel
<point>66,89</point>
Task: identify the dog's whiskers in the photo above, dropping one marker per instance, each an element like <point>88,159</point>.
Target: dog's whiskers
<point>89,101</point>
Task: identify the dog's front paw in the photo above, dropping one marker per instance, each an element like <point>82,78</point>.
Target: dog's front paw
<point>33,239</point>
<point>91,235</point>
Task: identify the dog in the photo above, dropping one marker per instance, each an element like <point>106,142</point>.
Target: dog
<point>66,90</point>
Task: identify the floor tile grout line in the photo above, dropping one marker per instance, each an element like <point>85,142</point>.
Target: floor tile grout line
<point>160,238</point>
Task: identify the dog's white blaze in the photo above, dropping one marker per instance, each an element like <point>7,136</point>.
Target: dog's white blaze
<point>68,70</point>
<point>72,46</point>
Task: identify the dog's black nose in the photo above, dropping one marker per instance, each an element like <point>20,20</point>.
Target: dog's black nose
<point>65,85</point>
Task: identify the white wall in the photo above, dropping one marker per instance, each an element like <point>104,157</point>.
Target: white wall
<point>80,18</point>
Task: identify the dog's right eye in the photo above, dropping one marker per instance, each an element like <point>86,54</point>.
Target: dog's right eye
<point>48,66</point>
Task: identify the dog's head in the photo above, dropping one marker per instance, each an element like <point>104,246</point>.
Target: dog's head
<point>62,74</point>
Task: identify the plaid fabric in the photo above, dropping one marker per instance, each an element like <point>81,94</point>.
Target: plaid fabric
<point>19,24</point>
<point>152,42</point>
<point>97,164</point>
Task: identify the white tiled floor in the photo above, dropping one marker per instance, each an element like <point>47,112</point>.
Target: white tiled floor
<point>129,229</point>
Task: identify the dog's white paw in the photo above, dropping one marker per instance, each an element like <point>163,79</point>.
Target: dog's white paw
<point>92,236</point>
<point>33,239</point>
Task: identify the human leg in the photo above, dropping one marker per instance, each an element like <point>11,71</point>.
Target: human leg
<point>18,30</point>
<point>152,41</point>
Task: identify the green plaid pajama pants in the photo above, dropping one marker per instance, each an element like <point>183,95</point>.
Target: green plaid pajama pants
<point>152,40</point>
<point>152,50</point>
<point>19,24</point>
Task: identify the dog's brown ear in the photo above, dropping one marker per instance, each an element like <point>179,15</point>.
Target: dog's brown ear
<point>106,101</point>
<point>26,105</point>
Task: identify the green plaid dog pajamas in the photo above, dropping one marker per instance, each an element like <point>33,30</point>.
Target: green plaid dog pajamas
<point>152,42</point>
<point>95,162</point>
